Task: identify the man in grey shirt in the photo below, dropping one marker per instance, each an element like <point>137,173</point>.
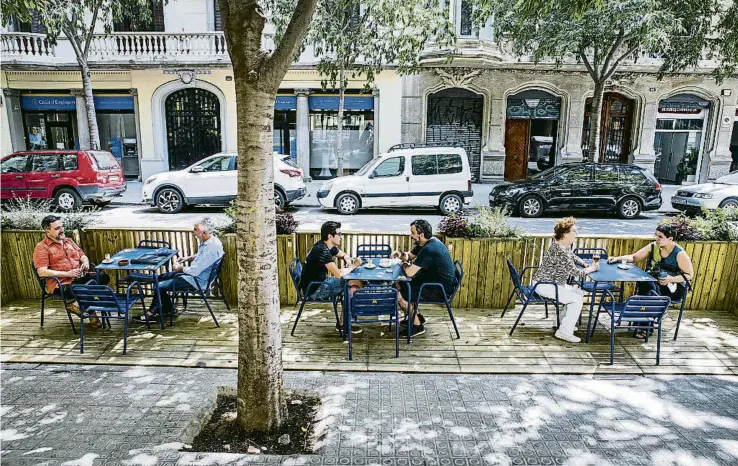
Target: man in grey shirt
<point>208,253</point>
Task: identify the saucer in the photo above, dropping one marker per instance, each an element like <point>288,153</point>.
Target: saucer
<point>624,266</point>
<point>369,266</point>
<point>107,261</point>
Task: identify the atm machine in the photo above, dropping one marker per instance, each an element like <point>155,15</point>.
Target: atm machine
<point>130,158</point>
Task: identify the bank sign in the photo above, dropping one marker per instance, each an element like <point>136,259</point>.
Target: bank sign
<point>69,103</point>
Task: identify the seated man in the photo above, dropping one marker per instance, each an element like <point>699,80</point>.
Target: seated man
<point>58,256</point>
<point>319,262</point>
<point>429,262</point>
<point>208,253</point>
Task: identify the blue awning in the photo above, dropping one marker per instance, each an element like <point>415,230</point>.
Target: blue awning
<point>69,103</point>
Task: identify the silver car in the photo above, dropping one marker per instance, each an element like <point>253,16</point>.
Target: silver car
<point>722,192</point>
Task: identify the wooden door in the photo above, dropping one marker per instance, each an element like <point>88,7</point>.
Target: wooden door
<point>517,140</point>
<point>617,119</point>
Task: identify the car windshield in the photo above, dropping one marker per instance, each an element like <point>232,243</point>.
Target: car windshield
<point>104,160</point>
<point>363,170</point>
<point>547,173</point>
<point>731,179</point>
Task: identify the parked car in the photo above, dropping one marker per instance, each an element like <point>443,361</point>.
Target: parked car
<point>722,192</point>
<point>624,189</point>
<point>214,180</point>
<point>420,175</point>
<point>70,178</point>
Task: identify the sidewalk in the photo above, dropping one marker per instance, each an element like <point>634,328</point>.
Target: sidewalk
<point>109,415</point>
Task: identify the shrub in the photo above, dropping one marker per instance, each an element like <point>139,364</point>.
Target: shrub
<point>26,214</point>
<point>713,225</point>
<point>453,226</point>
<point>486,223</point>
<point>285,222</point>
<point>685,231</point>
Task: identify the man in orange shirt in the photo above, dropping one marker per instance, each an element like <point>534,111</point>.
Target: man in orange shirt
<point>58,256</point>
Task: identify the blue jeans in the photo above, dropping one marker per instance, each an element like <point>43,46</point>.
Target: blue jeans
<point>330,289</point>
<point>168,282</point>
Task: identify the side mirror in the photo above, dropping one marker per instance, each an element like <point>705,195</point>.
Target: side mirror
<point>373,175</point>
<point>197,169</point>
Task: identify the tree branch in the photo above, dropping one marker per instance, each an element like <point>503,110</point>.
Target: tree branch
<point>587,65</point>
<point>282,57</point>
<point>91,33</point>
<point>621,58</point>
<point>613,49</point>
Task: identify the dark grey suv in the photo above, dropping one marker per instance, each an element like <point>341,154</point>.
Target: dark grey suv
<point>623,189</point>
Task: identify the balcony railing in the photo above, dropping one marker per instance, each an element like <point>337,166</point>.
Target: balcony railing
<point>206,46</point>
<point>19,45</point>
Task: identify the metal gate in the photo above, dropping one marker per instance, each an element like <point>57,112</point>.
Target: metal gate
<point>455,116</point>
<point>193,126</point>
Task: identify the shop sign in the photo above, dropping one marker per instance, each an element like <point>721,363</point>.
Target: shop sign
<point>123,102</point>
<point>36,102</point>
<point>533,109</point>
<point>285,102</point>
<point>349,103</point>
<point>683,107</point>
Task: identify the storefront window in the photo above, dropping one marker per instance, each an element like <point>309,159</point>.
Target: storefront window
<point>114,127</point>
<point>284,133</point>
<point>358,141</point>
<point>50,130</point>
<point>36,124</point>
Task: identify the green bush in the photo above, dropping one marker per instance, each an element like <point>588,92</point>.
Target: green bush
<point>26,214</point>
<point>486,223</point>
<point>712,225</point>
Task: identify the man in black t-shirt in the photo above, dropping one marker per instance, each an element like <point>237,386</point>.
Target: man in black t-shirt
<point>320,267</point>
<point>430,262</point>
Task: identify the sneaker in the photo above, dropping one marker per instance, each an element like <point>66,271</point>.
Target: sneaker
<point>570,338</point>
<point>403,322</point>
<point>74,309</point>
<point>417,330</point>
<point>355,329</point>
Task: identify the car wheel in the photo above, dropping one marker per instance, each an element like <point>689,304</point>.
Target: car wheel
<point>629,208</point>
<point>451,204</point>
<point>729,203</point>
<point>279,199</point>
<point>67,199</point>
<point>169,201</point>
<point>531,206</point>
<point>101,203</point>
<point>347,204</point>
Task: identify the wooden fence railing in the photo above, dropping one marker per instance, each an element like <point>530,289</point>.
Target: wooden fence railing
<point>486,284</point>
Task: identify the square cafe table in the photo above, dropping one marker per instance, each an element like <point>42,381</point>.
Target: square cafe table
<point>611,273</point>
<point>374,275</point>
<point>134,253</point>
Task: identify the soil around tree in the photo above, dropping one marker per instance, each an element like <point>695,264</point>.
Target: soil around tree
<point>221,434</point>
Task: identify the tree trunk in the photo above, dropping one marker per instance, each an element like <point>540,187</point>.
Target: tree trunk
<point>595,122</point>
<point>261,403</point>
<point>339,148</point>
<point>89,104</point>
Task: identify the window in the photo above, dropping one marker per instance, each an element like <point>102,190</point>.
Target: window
<point>449,164</point>
<point>607,173</point>
<point>631,175</point>
<point>390,167</point>
<point>578,174</point>
<point>217,20</point>
<point>69,162</point>
<point>217,164</point>
<point>155,24</point>
<point>104,160</point>
<point>15,164</point>
<point>424,165</point>
<point>466,24</point>
<point>45,163</point>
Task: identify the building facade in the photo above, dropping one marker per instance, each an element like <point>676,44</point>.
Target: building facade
<point>165,97</point>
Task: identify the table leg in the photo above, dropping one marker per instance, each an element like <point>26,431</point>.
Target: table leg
<point>158,300</point>
<point>591,311</point>
<point>410,315</point>
<point>345,310</point>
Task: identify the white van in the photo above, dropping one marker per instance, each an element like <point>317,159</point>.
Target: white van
<point>419,175</point>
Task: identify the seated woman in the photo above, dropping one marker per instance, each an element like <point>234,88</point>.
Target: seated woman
<point>559,264</point>
<point>672,259</point>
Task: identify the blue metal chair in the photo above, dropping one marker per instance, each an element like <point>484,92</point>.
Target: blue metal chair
<point>636,313</point>
<point>589,286</point>
<point>144,277</point>
<point>374,250</point>
<point>107,304</point>
<point>56,294</point>
<point>687,289</point>
<point>527,294</point>
<point>153,244</point>
<point>371,304</point>
<point>304,298</point>
<point>447,299</point>
<point>198,292</point>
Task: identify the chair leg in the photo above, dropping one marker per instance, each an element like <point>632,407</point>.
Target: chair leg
<point>43,301</point>
<point>81,336</point>
<point>509,300</point>
<point>520,316</point>
<point>658,346</point>
<point>297,319</point>
<point>125,333</point>
<point>338,321</point>
<point>397,333</point>
<point>558,317</point>
<point>597,318</point>
<point>453,321</point>
<point>212,314</point>
<point>612,343</point>
<point>225,301</point>
<point>679,319</point>
<point>545,305</point>
<point>350,340</point>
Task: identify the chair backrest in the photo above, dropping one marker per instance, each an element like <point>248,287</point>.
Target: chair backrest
<point>459,276</point>
<point>588,253</point>
<point>153,244</point>
<point>374,250</point>
<point>514,274</point>
<point>374,301</point>
<point>38,277</point>
<point>215,272</point>
<point>296,274</point>
<point>640,307</point>
<point>95,296</point>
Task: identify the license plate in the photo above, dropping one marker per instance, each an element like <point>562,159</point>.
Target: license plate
<point>678,201</point>
<point>113,178</point>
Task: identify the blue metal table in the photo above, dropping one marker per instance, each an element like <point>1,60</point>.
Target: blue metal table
<point>393,274</point>
<point>164,255</point>
<point>611,273</point>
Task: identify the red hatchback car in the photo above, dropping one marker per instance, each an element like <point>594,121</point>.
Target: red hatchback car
<point>70,178</point>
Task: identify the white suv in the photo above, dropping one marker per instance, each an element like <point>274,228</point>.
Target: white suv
<point>214,180</point>
<point>422,175</point>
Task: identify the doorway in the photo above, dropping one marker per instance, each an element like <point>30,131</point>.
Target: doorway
<point>615,129</point>
<point>193,126</point>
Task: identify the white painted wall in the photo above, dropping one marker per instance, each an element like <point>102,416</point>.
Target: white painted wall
<point>186,16</point>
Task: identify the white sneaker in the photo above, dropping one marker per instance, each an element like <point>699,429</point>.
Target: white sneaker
<point>570,338</point>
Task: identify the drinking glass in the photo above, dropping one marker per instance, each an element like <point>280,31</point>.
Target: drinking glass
<point>595,258</point>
